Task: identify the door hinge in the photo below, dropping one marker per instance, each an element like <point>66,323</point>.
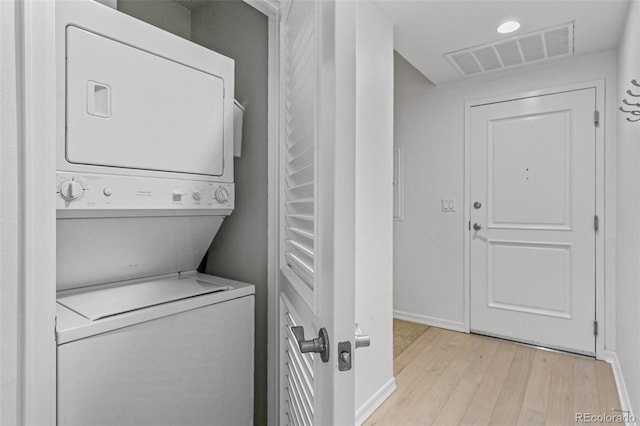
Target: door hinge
<point>596,118</point>
<point>596,223</point>
<point>595,328</point>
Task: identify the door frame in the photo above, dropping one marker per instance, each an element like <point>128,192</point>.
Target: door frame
<point>36,308</point>
<point>605,297</point>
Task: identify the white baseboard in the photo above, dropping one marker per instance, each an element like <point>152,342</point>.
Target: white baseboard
<point>625,404</point>
<point>426,320</point>
<point>376,400</point>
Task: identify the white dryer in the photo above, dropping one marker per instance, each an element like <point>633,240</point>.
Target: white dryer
<point>144,180</point>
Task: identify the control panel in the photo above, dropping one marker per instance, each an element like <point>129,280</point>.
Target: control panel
<point>85,191</point>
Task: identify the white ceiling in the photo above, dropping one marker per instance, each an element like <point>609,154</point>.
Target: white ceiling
<point>427,29</point>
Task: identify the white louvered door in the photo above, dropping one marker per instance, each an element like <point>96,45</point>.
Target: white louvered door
<point>300,105</point>
<point>317,207</point>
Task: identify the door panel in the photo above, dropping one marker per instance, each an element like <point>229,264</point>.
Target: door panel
<point>529,171</point>
<point>316,280</point>
<point>297,373</point>
<point>298,218</point>
<point>533,254</point>
<point>530,277</point>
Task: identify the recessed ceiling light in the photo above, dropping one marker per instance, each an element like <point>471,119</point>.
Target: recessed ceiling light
<point>508,27</point>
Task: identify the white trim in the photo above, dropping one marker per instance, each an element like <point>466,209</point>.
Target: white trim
<point>598,84</point>
<point>431,321</point>
<point>625,403</point>
<point>10,215</point>
<point>266,7</point>
<point>601,234</point>
<point>466,253</point>
<point>39,246</point>
<point>376,400</point>
<point>601,187</point>
<point>398,168</point>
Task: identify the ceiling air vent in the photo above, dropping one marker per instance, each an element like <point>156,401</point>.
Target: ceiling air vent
<point>538,46</point>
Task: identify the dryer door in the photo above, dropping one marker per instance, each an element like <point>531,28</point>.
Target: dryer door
<point>129,108</point>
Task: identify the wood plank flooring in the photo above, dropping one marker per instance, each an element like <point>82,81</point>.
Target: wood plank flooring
<point>450,378</point>
<point>404,334</point>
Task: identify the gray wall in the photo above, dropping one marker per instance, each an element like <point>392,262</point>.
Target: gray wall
<point>165,14</point>
<point>239,251</point>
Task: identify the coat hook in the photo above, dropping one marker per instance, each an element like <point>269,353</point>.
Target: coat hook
<point>635,83</point>
<point>631,94</point>
<point>629,112</point>
<point>626,102</point>
<point>633,121</point>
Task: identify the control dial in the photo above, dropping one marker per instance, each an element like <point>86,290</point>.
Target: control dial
<point>71,190</point>
<point>221,195</point>
<point>196,195</point>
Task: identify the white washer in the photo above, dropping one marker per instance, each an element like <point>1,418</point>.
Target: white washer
<point>144,180</point>
<point>165,352</point>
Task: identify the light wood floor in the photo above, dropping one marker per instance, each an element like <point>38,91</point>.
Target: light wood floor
<point>449,378</point>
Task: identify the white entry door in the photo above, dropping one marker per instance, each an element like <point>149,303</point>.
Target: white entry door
<point>532,220</point>
<point>316,277</point>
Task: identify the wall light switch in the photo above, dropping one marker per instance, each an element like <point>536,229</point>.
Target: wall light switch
<point>448,205</point>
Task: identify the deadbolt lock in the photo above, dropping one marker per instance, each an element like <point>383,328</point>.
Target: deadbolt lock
<point>477,205</point>
<point>344,356</point>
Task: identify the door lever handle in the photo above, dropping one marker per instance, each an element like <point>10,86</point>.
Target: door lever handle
<point>362,341</point>
<point>319,345</point>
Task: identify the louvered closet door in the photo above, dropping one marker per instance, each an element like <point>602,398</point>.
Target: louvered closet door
<point>300,136</point>
<point>312,391</point>
<point>297,385</point>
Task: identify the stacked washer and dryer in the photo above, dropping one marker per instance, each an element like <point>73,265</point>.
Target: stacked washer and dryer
<point>144,180</point>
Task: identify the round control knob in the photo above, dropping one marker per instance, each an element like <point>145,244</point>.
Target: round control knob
<point>107,191</point>
<point>196,195</point>
<point>221,195</point>
<point>71,190</point>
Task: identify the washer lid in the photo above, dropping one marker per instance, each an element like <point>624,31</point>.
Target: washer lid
<point>97,303</point>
